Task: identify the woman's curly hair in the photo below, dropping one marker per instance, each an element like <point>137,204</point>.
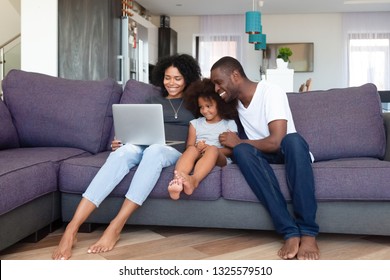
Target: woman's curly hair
<point>186,64</point>
<point>206,89</point>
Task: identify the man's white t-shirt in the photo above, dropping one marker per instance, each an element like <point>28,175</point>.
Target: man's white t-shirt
<point>269,103</point>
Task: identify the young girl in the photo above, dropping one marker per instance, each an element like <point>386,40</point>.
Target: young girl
<point>203,150</point>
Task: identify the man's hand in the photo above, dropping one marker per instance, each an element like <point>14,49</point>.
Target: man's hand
<point>229,139</point>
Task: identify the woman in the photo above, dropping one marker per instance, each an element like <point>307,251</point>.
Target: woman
<point>173,74</point>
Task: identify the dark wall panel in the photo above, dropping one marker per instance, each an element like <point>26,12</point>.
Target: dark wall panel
<point>88,38</point>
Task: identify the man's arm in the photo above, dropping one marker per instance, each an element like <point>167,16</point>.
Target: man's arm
<point>270,144</point>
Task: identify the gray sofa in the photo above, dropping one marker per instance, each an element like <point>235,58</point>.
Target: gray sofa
<point>55,135</point>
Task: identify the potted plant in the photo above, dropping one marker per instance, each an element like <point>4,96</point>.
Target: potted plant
<point>283,57</point>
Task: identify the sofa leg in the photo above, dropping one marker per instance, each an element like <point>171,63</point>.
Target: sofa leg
<point>38,235</point>
<point>56,225</point>
<point>88,227</point>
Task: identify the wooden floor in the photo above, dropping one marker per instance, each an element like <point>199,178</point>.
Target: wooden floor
<point>173,243</point>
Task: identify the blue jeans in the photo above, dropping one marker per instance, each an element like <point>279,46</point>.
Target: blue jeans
<point>150,160</point>
<point>255,166</point>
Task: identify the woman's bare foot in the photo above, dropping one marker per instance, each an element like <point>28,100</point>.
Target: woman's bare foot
<point>189,183</point>
<point>175,188</point>
<point>308,250</point>
<point>290,248</point>
<point>107,241</point>
<point>64,248</point>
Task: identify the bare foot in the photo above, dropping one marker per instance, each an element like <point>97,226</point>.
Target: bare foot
<point>175,188</point>
<point>189,183</point>
<point>64,248</point>
<point>106,242</point>
<point>308,250</point>
<point>290,248</point>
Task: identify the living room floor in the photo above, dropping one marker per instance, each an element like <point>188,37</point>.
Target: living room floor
<point>173,243</point>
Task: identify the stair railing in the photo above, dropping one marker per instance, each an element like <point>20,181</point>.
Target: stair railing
<point>9,57</point>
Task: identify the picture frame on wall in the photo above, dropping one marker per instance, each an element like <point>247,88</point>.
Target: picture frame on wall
<point>302,59</point>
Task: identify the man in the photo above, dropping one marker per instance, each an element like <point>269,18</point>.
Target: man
<point>267,122</point>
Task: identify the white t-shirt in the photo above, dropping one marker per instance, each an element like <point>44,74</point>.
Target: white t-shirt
<point>269,103</point>
<point>210,131</point>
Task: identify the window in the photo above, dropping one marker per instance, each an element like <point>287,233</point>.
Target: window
<point>369,59</point>
<point>210,48</point>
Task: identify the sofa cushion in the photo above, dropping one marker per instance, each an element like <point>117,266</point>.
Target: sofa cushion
<point>364,179</point>
<point>8,135</point>
<point>29,173</point>
<point>77,173</point>
<point>138,92</point>
<point>56,112</point>
<point>341,123</point>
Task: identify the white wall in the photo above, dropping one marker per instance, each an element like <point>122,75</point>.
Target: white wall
<point>324,30</point>
<point>185,27</point>
<point>39,41</point>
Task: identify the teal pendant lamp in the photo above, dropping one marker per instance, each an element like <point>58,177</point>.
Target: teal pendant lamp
<point>254,28</point>
<point>253,22</point>
<point>262,45</point>
<point>255,38</point>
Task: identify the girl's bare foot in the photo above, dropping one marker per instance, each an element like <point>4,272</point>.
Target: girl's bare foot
<point>189,183</point>
<point>64,248</point>
<point>308,250</point>
<point>175,188</point>
<point>106,242</point>
<point>290,248</point>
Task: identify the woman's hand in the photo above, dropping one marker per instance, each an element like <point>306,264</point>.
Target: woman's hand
<point>115,144</point>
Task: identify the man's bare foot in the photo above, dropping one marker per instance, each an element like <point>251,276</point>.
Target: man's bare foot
<point>106,242</point>
<point>290,248</point>
<point>308,250</point>
<point>189,183</point>
<point>175,188</point>
<point>64,248</point>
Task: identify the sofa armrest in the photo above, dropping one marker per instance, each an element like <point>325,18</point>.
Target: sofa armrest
<point>386,119</point>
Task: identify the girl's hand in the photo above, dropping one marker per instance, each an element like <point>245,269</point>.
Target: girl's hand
<point>115,144</point>
<point>201,146</point>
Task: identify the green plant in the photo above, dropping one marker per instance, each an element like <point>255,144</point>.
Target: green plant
<point>285,53</point>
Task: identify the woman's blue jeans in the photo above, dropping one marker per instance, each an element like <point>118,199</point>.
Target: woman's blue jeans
<point>150,160</point>
<point>255,166</point>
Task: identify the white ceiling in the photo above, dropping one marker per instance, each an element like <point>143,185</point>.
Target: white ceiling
<point>232,7</point>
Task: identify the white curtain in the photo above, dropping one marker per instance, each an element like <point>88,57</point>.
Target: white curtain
<point>367,49</point>
<point>219,36</point>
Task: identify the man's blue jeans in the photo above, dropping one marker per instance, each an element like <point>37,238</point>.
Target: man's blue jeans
<point>255,166</point>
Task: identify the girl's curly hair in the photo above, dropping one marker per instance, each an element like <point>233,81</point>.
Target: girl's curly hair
<point>206,89</point>
<point>186,64</point>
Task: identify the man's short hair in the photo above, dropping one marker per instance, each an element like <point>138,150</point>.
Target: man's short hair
<point>228,64</point>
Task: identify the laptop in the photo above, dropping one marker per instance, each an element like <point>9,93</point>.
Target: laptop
<point>140,124</point>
